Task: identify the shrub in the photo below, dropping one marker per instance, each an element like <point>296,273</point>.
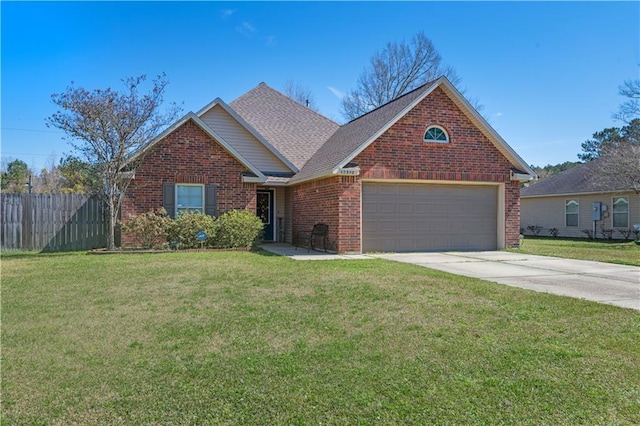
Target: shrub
<point>588,232</point>
<point>149,230</point>
<point>182,232</point>
<point>554,232</point>
<point>237,228</point>
<point>534,229</point>
<point>606,233</point>
<point>626,233</point>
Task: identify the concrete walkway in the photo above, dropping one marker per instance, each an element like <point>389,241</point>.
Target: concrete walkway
<point>596,281</point>
<point>302,253</point>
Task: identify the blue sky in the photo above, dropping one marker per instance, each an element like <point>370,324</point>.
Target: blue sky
<point>546,73</point>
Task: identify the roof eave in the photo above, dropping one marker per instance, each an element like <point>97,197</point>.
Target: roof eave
<point>252,179</point>
<point>575,194</point>
<point>522,177</point>
<point>319,175</point>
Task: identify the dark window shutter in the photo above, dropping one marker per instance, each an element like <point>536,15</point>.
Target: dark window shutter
<point>169,199</point>
<point>211,200</point>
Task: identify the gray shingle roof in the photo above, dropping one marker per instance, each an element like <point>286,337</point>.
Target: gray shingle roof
<point>579,179</point>
<point>350,137</point>
<point>291,128</point>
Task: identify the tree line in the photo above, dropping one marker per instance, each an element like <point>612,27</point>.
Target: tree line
<point>69,175</point>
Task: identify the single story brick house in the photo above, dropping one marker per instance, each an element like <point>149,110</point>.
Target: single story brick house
<point>573,201</point>
<point>424,172</point>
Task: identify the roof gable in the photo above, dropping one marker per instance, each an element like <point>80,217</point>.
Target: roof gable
<point>219,139</point>
<point>355,136</point>
<point>218,103</point>
<point>294,130</point>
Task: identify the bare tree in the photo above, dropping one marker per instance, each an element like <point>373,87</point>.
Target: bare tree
<point>617,165</point>
<point>107,127</point>
<point>50,180</point>
<point>618,154</point>
<point>301,94</point>
<point>394,71</point>
<point>630,109</point>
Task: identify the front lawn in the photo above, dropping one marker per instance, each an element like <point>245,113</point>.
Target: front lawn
<point>615,251</point>
<point>250,338</point>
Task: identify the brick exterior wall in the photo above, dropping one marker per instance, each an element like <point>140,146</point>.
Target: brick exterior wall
<point>187,155</point>
<point>512,214</point>
<point>334,201</point>
<point>400,153</point>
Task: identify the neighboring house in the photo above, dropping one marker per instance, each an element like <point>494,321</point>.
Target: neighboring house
<point>573,201</point>
<point>424,172</point>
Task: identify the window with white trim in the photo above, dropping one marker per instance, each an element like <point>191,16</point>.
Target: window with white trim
<point>621,212</point>
<point>571,213</point>
<point>436,134</point>
<point>189,199</point>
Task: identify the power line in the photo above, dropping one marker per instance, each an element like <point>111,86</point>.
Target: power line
<point>24,153</point>
<point>30,130</point>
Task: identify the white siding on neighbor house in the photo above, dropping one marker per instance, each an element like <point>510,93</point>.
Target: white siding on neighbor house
<point>242,141</point>
<point>549,212</point>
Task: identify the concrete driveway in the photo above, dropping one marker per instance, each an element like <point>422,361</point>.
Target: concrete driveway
<point>600,282</point>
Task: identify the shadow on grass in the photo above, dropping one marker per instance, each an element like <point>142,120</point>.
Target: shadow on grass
<point>265,253</point>
<point>8,255</point>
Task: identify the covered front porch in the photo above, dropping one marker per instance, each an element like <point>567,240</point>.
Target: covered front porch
<point>273,206</point>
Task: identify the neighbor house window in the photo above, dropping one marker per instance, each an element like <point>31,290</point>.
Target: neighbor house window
<point>571,209</point>
<point>621,212</point>
<point>436,134</point>
<point>189,199</point>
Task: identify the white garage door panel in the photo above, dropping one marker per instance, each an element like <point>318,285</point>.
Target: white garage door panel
<point>419,217</point>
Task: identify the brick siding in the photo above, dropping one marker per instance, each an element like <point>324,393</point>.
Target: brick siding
<point>334,201</point>
<point>188,155</point>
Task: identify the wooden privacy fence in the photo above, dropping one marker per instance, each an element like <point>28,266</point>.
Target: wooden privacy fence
<point>52,222</point>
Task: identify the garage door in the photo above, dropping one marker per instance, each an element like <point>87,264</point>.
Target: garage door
<point>419,217</point>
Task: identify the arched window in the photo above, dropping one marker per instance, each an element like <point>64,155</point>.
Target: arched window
<point>436,134</point>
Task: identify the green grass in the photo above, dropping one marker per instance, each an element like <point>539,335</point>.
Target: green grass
<point>249,338</point>
<point>615,251</point>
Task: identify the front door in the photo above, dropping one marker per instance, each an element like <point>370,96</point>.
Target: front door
<point>265,211</point>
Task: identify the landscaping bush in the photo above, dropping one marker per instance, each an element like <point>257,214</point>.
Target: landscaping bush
<point>534,229</point>
<point>182,232</point>
<point>149,230</point>
<point>606,233</point>
<point>588,233</point>
<point>237,228</point>
<point>234,229</point>
<point>554,232</point>
<point>626,233</point>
